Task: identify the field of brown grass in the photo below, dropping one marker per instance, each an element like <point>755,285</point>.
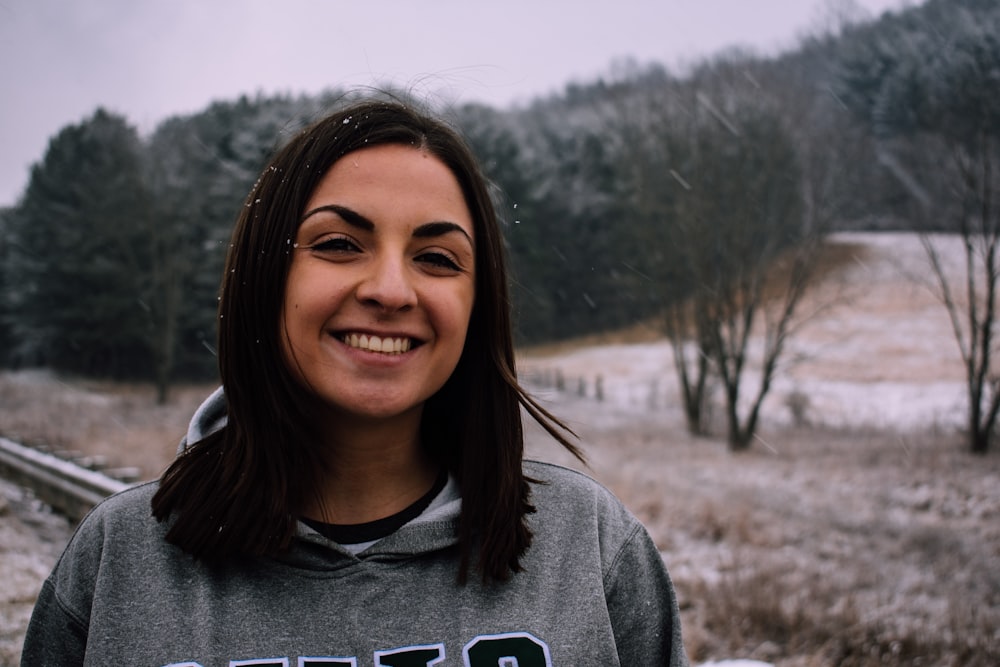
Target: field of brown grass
<point>821,548</point>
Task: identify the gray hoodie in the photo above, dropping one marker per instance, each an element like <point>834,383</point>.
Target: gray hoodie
<point>594,591</point>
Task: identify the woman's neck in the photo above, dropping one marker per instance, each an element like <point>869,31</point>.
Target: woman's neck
<point>373,470</point>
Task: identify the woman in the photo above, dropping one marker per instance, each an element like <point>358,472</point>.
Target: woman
<point>355,492</point>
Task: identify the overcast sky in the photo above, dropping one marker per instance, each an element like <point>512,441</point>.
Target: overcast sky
<point>150,59</point>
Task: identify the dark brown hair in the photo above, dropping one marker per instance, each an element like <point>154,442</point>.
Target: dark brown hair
<point>238,490</point>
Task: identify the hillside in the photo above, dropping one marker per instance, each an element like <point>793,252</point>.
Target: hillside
<point>874,348</point>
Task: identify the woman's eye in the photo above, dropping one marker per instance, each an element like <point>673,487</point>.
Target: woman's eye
<point>335,245</point>
<point>438,260</point>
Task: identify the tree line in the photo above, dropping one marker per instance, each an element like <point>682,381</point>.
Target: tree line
<point>644,195</point>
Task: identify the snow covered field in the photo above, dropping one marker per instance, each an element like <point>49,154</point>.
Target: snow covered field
<point>875,350</point>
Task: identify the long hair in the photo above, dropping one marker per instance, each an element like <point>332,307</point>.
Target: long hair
<point>239,489</point>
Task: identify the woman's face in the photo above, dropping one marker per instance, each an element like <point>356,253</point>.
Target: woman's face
<point>381,283</point>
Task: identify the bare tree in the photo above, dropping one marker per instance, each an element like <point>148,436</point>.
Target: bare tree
<point>933,99</point>
<point>972,320</point>
<point>652,123</point>
<point>720,180</point>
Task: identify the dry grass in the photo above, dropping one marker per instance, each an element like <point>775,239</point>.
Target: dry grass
<point>830,548</point>
<point>825,548</point>
<point>120,422</point>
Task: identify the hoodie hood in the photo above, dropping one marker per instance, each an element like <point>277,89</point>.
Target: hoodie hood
<point>433,530</point>
<point>210,416</point>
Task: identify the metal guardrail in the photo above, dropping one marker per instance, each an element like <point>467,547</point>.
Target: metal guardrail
<point>70,489</point>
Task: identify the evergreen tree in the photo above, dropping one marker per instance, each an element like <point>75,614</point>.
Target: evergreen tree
<point>573,238</point>
<point>6,280</point>
<point>77,279</point>
<point>201,168</point>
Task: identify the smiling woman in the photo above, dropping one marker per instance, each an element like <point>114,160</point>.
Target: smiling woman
<point>364,454</point>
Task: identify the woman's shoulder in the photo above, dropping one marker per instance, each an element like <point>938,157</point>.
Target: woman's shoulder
<point>560,493</point>
<point>121,531</point>
<point>123,520</point>
<point>579,518</point>
<point>563,481</point>
<point>125,507</point>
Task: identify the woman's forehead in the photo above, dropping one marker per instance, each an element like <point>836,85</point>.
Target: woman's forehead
<point>393,180</point>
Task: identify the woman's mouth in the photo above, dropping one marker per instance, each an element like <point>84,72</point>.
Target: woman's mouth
<point>383,345</point>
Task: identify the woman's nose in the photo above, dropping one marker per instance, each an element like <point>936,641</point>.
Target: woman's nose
<point>387,285</point>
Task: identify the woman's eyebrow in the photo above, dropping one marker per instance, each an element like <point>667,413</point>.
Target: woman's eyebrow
<point>433,229</point>
<point>353,218</point>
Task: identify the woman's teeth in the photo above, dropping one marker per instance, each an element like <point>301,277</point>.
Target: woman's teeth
<point>376,344</point>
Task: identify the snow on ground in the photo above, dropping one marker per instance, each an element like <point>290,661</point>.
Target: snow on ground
<point>875,350</point>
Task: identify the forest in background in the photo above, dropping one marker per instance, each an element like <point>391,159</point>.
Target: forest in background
<point>618,196</point>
